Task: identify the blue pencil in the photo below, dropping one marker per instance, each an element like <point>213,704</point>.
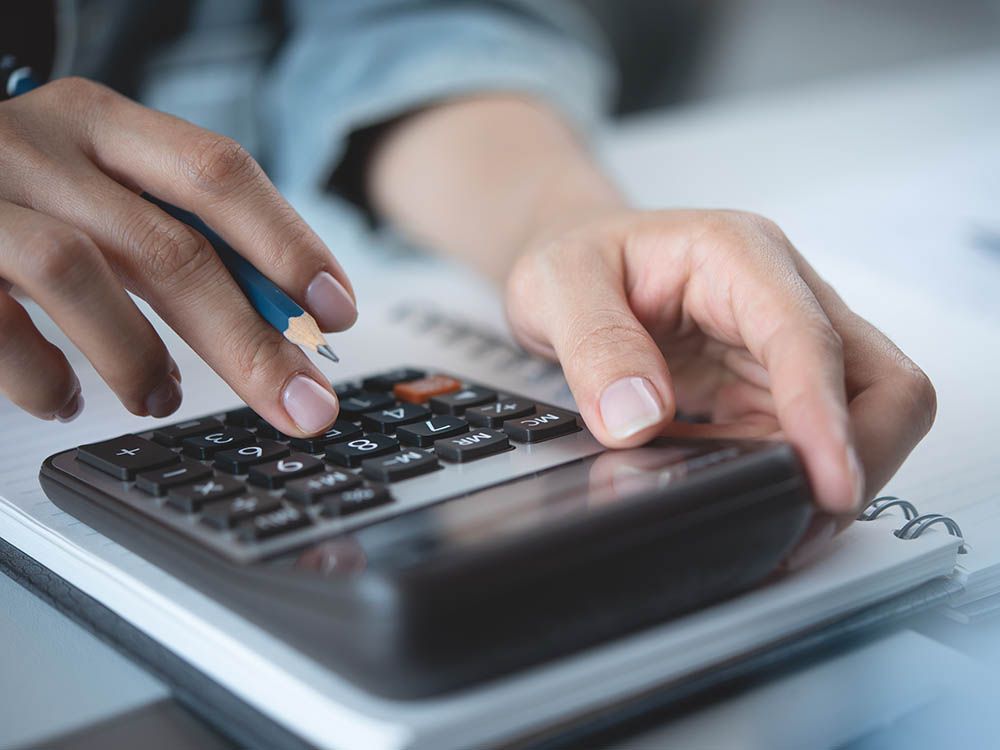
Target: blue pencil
<point>276,307</point>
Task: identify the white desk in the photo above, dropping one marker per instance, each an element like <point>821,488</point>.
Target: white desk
<point>811,160</point>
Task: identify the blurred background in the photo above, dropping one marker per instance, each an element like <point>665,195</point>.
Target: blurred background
<point>681,50</point>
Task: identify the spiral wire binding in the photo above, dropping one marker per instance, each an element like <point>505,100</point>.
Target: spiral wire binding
<point>881,504</point>
<point>916,524</point>
<point>913,528</point>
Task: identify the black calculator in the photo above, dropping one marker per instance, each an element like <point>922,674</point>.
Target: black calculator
<point>442,532</point>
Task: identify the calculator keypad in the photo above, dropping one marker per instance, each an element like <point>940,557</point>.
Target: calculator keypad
<point>240,486</point>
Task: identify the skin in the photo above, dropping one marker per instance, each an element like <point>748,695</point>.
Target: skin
<point>75,235</point>
<point>714,310</point>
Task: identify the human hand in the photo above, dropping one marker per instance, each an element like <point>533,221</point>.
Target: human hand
<point>714,312</point>
<point>75,235</point>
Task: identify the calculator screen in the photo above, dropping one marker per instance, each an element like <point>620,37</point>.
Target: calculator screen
<point>579,487</point>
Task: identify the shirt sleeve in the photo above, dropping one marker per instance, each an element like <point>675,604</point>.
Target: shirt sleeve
<point>352,64</point>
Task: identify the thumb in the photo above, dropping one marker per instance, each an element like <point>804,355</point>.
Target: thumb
<point>615,370</point>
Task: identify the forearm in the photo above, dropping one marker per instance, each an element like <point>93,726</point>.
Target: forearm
<point>479,178</point>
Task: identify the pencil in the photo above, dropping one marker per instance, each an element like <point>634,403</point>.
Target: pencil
<point>276,307</point>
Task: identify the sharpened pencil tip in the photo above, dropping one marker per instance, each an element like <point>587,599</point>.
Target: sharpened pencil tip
<point>326,351</point>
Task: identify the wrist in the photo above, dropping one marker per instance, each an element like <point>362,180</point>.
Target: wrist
<point>569,196</point>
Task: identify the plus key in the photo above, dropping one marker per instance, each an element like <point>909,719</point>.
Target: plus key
<point>122,457</point>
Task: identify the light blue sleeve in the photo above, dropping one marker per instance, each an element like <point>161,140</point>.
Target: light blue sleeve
<point>353,63</point>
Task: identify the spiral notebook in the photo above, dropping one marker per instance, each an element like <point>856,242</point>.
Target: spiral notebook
<point>895,562</point>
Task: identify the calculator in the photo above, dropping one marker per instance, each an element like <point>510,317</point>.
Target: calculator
<point>442,532</point>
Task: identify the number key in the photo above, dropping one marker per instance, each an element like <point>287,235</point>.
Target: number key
<point>387,420</point>
<point>274,474</point>
<point>342,430</point>
<point>207,445</point>
<point>423,434</point>
<point>239,460</point>
<point>353,452</point>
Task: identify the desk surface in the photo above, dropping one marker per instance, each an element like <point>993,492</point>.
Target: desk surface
<point>762,154</point>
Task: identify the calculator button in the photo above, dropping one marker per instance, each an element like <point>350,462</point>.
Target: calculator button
<point>493,415</point>
<point>245,417</point>
<point>399,466</point>
<point>477,444</point>
<point>456,403</point>
<point>207,445</point>
<point>387,420</point>
<point>346,390</point>
<point>191,497</point>
<point>358,499</point>
<point>309,490</point>
<point>386,381</point>
<point>423,434</point>
<point>274,474</point>
<point>341,430</point>
<point>239,460</point>
<point>270,524</point>
<point>266,429</point>
<point>227,513</point>
<point>158,481</point>
<point>171,436</point>
<point>547,423</point>
<point>123,456</point>
<point>364,401</point>
<point>353,452</point>
<point>420,391</point>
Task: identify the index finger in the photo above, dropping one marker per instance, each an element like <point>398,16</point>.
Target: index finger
<point>217,179</point>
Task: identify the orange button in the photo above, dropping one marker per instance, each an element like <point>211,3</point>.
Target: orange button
<point>418,391</point>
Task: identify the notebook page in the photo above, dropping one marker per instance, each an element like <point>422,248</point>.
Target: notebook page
<point>864,565</point>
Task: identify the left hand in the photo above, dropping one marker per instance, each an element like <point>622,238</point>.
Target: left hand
<point>714,312</point>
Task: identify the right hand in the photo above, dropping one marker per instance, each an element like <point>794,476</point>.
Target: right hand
<point>75,235</point>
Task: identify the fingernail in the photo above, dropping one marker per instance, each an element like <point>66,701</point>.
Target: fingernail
<point>72,410</point>
<point>630,405</point>
<point>175,370</point>
<point>310,405</point>
<point>165,398</point>
<point>330,303</point>
<point>857,476</point>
